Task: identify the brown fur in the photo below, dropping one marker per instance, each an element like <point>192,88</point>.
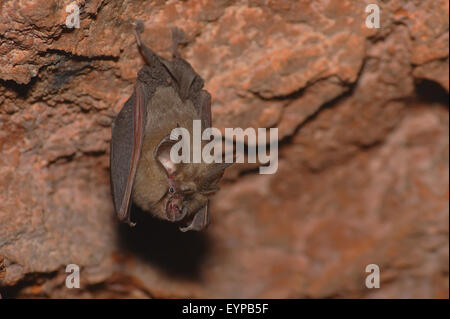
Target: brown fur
<point>166,111</point>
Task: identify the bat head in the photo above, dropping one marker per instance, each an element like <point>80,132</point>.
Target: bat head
<point>189,186</point>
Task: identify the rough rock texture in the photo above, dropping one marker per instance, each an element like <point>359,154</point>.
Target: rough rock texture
<point>364,149</point>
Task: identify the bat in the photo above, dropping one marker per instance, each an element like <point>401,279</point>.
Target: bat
<point>168,94</point>
<point>2,268</point>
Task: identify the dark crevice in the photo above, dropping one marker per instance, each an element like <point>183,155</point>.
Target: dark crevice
<point>22,90</point>
<point>82,58</point>
<point>431,92</point>
<point>351,88</point>
<point>63,159</point>
<point>290,96</point>
<point>313,116</point>
<point>30,279</point>
<point>61,77</point>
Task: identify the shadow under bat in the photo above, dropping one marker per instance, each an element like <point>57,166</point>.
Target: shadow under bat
<point>162,244</point>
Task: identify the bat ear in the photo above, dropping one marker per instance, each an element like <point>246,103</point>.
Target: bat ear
<point>162,154</point>
<point>214,175</point>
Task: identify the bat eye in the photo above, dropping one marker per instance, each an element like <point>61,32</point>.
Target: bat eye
<point>171,190</point>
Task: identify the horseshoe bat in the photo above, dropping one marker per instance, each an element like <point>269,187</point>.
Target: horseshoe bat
<point>167,94</point>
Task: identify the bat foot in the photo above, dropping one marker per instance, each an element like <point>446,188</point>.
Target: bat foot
<point>138,27</point>
<point>177,38</point>
<point>185,229</point>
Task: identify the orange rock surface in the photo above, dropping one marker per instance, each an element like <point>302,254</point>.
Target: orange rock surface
<point>363,172</point>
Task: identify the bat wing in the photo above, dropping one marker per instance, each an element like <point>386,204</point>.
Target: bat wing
<point>126,145</point>
<point>205,108</point>
<point>186,81</point>
<point>189,86</point>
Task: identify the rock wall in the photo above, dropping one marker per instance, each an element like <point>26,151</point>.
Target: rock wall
<point>363,165</point>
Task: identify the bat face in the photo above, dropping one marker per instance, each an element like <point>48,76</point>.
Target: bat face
<point>188,186</point>
<point>195,183</point>
<point>167,94</point>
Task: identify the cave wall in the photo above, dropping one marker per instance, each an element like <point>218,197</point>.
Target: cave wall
<point>363,165</point>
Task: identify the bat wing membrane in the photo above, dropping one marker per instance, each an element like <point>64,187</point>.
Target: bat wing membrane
<point>126,145</point>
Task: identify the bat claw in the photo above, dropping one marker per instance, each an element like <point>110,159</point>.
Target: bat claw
<point>184,229</point>
<point>177,38</point>
<point>137,29</point>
